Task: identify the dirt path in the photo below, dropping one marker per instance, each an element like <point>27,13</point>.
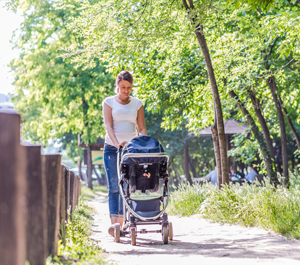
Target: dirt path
<point>196,241</point>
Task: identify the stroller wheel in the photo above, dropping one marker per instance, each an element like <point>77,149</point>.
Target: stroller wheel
<point>133,236</point>
<point>117,232</point>
<point>165,234</point>
<point>170,231</point>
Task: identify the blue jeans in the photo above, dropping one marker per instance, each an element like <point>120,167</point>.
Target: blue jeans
<point>115,201</point>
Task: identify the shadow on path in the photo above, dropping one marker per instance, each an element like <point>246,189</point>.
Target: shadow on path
<point>197,238</point>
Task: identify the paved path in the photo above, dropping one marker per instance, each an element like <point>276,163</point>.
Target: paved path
<point>196,241</point>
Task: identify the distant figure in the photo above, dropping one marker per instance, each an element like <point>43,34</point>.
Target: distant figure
<point>251,175</point>
<point>212,177</point>
<point>233,175</point>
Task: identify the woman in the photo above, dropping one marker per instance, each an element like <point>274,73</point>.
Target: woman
<point>122,113</point>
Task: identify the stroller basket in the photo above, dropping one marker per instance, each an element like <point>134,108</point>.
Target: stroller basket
<point>146,208</point>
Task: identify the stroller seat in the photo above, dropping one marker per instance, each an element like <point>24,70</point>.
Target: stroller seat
<point>143,177</point>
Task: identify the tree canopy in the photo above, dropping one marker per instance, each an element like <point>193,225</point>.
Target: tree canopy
<point>72,49</point>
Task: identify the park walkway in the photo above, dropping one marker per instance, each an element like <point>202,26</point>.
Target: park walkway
<point>196,241</point>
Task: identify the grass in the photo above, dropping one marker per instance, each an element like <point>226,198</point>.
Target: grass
<point>80,249</point>
<point>247,205</point>
<point>187,200</point>
<point>97,188</point>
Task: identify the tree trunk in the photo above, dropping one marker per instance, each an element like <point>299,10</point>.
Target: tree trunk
<point>104,180</point>
<point>261,141</point>
<point>277,158</point>
<point>215,137</point>
<point>291,125</point>
<point>186,163</point>
<point>192,168</point>
<point>99,177</point>
<point>217,103</point>
<point>89,167</point>
<point>273,88</point>
<point>176,173</point>
<point>79,161</point>
<point>293,163</point>
<point>263,124</point>
<point>218,108</point>
<point>89,158</point>
<point>228,139</point>
<point>262,121</point>
<point>79,169</point>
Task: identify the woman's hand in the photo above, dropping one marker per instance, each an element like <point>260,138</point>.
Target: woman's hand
<point>121,145</point>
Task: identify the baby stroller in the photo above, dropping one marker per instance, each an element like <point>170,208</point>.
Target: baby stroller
<point>143,185</point>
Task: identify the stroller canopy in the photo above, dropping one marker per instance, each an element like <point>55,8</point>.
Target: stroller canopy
<point>143,145</point>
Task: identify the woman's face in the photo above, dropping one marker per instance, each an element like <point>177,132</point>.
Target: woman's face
<point>124,88</point>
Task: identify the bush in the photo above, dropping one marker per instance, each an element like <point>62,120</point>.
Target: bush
<point>247,205</point>
<point>79,249</point>
<point>186,199</point>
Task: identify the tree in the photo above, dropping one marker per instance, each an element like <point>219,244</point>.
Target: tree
<point>154,40</point>
<point>259,137</point>
<point>132,33</point>
<point>218,127</point>
<point>248,60</point>
<point>66,96</point>
<point>133,25</point>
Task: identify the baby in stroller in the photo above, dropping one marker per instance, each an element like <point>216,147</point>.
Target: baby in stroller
<point>143,184</point>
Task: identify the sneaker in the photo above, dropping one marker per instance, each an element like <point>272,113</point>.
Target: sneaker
<point>111,230</point>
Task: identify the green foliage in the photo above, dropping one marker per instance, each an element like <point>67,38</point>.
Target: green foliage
<point>79,248</point>
<point>200,148</point>
<point>57,97</point>
<point>250,46</point>
<point>187,199</point>
<point>247,205</point>
<point>245,149</point>
<point>71,49</point>
<point>156,41</point>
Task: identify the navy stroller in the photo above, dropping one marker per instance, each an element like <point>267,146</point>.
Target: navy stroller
<point>143,183</point>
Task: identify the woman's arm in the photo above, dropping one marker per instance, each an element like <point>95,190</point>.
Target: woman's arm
<point>108,123</point>
<point>141,121</point>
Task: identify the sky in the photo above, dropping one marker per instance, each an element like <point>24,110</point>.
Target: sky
<point>9,21</point>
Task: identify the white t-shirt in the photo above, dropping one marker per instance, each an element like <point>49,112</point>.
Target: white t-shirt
<point>251,175</point>
<point>124,118</point>
<point>213,177</point>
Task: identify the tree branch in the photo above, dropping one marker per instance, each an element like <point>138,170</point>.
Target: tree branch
<point>191,4</point>
<point>270,53</point>
<point>271,73</point>
<point>185,4</point>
